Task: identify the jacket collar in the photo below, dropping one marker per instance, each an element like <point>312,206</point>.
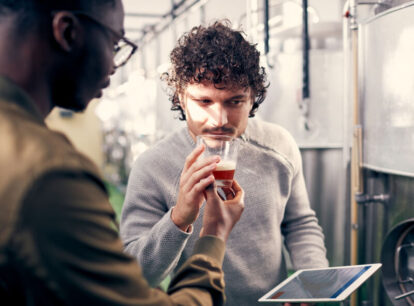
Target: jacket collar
<point>11,93</point>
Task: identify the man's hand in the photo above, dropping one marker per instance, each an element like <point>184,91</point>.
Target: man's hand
<point>196,176</point>
<point>220,215</point>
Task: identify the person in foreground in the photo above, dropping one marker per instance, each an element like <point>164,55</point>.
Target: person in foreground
<point>217,84</point>
<point>58,245</point>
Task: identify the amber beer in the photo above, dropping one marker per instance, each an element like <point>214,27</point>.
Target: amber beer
<point>224,173</point>
<point>226,147</point>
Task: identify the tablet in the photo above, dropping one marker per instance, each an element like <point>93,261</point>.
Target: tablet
<point>332,284</point>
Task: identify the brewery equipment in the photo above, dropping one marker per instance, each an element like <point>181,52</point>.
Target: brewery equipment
<point>317,122</point>
<point>387,112</point>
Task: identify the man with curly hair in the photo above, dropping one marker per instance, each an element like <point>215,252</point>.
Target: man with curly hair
<point>217,84</point>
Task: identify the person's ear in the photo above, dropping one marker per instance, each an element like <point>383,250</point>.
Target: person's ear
<point>65,29</point>
<point>252,100</point>
<point>181,100</point>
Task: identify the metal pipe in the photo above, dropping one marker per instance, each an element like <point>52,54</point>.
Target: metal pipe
<point>346,157</point>
<point>266,26</point>
<point>266,32</point>
<point>173,14</point>
<point>174,8</point>
<point>305,50</point>
<point>404,295</point>
<point>144,15</point>
<point>376,198</point>
<point>356,150</point>
<point>373,3</point>
<point>304,102</point>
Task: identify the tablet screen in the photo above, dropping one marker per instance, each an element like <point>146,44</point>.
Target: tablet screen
<point>324,284</point>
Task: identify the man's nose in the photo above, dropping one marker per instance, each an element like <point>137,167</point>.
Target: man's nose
<point>219,115</point>
<point>113,69</point>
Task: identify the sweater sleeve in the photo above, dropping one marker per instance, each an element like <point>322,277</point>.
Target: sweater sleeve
<point>146,226</point>
<point>304,238</point>
<point>67,224</point>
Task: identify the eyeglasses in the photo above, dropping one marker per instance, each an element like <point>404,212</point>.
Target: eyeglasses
<point>123,49</point>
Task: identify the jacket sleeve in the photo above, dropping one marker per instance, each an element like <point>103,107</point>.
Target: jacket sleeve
<point>146,226</point>
<point>75,250</point>
<point>304,238</point>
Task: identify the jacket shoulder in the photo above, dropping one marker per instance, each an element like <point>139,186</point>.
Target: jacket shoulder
<point>33,149</point>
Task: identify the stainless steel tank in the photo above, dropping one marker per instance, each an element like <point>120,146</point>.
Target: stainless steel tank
<point>321,142</point>
<point>387,98</point>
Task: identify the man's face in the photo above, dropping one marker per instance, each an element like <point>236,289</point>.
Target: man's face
<point>213,109</point>
<point>91,70</point>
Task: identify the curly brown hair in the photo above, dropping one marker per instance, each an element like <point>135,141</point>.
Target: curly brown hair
<point>216,54</point>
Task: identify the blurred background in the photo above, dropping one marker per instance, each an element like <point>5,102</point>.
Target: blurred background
<point>341,79</point>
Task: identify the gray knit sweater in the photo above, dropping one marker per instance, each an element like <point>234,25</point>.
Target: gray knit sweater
<point>277,211</point>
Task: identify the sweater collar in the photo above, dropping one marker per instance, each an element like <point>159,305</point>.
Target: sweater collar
<point>11,93</point>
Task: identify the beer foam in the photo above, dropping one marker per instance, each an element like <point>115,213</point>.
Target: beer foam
<point>226,165</point>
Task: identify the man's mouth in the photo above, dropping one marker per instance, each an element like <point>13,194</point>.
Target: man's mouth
<point>105,85</point>
<point>221,131</point>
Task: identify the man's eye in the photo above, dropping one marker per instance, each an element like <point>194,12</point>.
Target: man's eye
<point>203,101</point>
<point>236,102</point>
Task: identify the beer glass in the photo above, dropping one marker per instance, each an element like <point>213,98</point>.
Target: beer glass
<point>227,148</point>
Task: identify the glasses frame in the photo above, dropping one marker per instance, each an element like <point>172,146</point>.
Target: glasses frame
<point>119,36</point>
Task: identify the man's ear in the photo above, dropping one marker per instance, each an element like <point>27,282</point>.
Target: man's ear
<point>181,100</point>
<point>65,30</point>
<point>252,100</point>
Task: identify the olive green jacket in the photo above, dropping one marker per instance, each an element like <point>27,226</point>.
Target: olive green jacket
<point>58,245</point>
